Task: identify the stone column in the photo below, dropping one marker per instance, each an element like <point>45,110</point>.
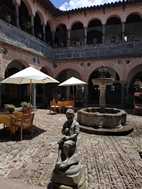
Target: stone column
<point>2,51</point>
<point>17,15</point>
<point>85,36</point>
<point>104,32</point>
<point>123,89</point>
<point>0,77</point>
<point>53,38</point>
<point>123,31</point>
<point>68,37</point>
<point>32,24</point>
<point>85,95</point>
<point>44,32</point>
<point>102,101</point>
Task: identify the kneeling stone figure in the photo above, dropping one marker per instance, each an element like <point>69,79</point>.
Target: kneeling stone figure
<point>68,172</point>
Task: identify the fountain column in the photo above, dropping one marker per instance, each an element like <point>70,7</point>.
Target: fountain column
<point>102,82</point>
<point>102,100</point>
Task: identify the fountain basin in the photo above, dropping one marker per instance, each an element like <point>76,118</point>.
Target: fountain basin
<point>97,117</point>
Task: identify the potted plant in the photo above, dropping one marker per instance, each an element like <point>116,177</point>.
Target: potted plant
<point>10,108</point>
<point>26,107</point>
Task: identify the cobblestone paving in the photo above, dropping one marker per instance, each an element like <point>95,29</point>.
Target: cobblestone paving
<point>111,162</point>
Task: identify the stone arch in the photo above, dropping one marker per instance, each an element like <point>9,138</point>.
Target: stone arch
<point>134,75</point>
<point>94,32</point>
<point>25,16</point>
<point>113,92</point>
<point>38,25</point>
<point>40,15</point>
<point>47,70</point>
<point>14,66</point>
<point>66,74</point>
<point>133,21</point>
<point>28,5</point>
<point>137,14</point>
<point>8,11</point>
<point>61,35</point>
<point>112,17</point>
<point>77,34</point>
<point>44,70</point>
<point>113,33</point>
<point>14,94</point>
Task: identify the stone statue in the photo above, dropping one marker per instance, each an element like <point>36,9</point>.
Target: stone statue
<point>68,160</point>
<point>70,129</point>
<point>67,172</point>
<point>67,153</point>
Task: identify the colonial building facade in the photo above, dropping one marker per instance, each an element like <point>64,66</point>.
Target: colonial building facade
<point>73,43</point>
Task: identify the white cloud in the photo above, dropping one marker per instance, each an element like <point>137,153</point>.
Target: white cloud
<point>72,4</point>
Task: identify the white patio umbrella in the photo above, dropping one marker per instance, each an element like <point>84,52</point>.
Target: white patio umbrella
<point>73,81</point>
<point>30,76</point>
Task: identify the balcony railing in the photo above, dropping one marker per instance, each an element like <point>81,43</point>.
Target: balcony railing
<point>17,37</point>
<point>101,51</point>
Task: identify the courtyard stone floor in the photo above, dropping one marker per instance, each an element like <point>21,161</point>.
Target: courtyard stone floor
<point>111,162</point>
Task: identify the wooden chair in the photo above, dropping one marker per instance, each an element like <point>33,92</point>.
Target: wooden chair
<point>69,104</point>
<point>13,124</point>
<point>55,105</point>
<point>24,122</point>
<point>61,105</point>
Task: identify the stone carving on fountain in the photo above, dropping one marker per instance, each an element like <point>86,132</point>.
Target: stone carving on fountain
<point>68,172</point>
<point>102,119</point>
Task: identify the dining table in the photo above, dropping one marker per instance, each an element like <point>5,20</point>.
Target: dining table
<point>5,117</point>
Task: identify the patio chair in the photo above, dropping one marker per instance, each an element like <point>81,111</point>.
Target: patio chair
<point>13,124</point>
<point>25,122</point>
<point>69,104</point>
<point>55,106</point>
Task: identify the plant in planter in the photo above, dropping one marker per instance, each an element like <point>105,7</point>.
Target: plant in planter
<point>26,107</point>
<point>10,108</point>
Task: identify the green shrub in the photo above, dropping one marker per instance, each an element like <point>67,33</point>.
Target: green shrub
<point>10,108</point>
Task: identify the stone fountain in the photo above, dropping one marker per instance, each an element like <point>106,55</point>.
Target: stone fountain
<point>102,119</point>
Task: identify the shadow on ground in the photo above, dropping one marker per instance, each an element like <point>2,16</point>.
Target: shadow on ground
<point>5,136</point>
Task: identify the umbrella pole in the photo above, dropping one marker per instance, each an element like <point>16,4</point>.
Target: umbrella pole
<point>30,92</point>
<point>34,96</point>
<point>73,94</point>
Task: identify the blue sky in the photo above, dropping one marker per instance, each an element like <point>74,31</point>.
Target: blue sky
<point>72,4</point>
<point>58,3</point>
